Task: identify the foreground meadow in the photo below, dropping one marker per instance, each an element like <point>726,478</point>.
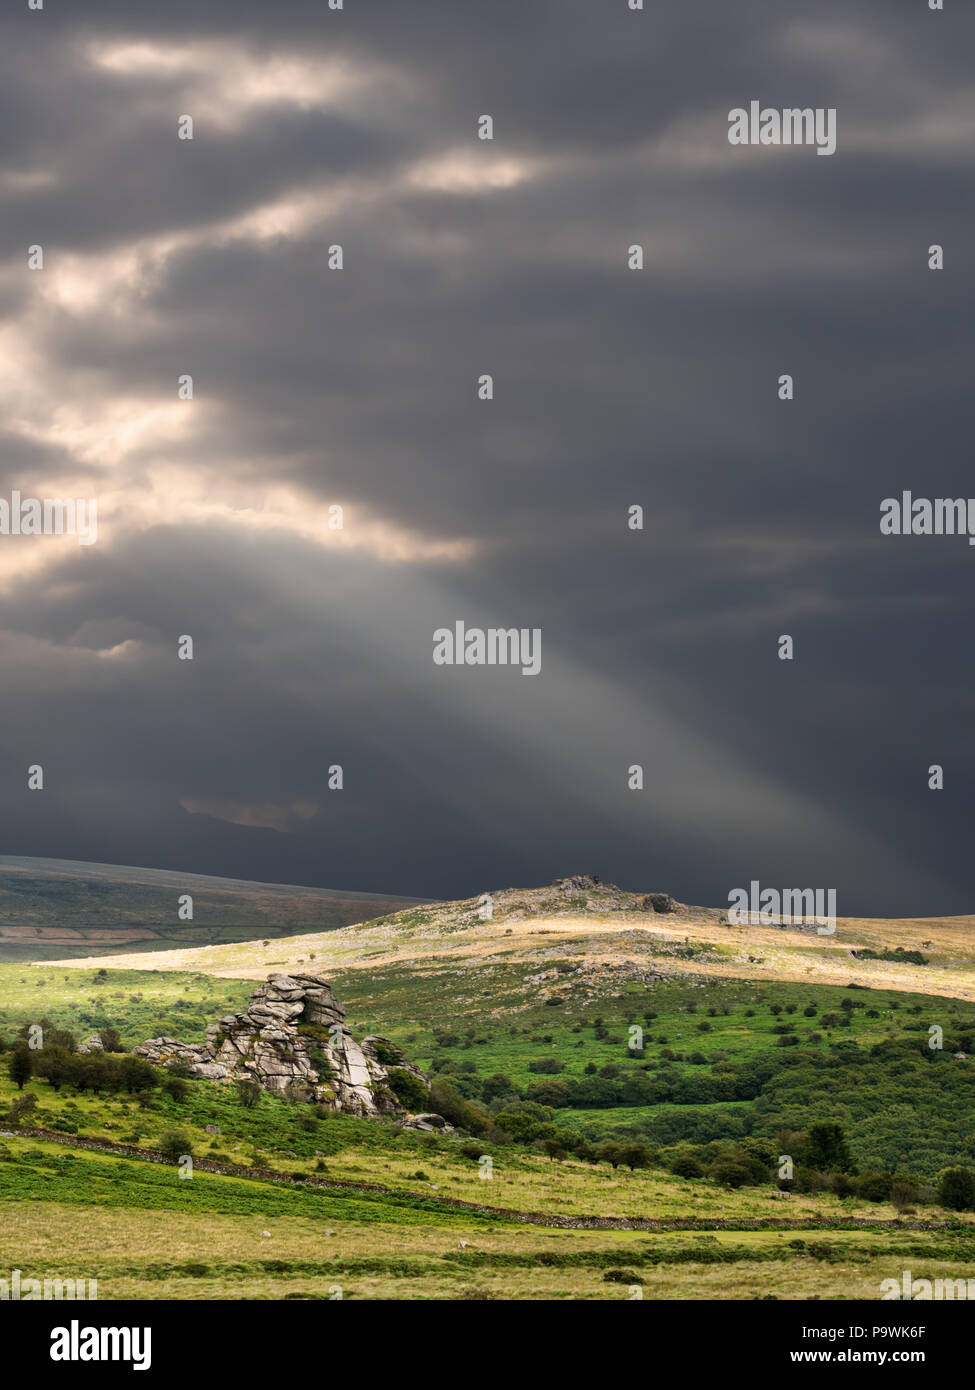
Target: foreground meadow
<point>622,1098</point>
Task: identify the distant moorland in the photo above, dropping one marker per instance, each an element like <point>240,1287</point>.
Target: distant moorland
<point>57,907</point>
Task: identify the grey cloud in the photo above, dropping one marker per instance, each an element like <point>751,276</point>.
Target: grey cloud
<point>612,388</point>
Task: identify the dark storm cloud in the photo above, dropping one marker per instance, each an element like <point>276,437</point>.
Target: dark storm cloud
<point>314,387</point>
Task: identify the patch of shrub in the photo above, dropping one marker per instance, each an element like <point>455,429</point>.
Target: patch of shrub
<point>408,1089</point>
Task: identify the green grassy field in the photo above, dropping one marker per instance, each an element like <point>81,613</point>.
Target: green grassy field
<point>713,1043</point>
<point>537,1018</point>
<point>143,1232</point>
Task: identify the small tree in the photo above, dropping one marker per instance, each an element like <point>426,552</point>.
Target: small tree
<point>826,1148</point>
<point>842,1184</point>
<point>248,1093</point>
<point>21,1107</point>
<point>497,1086</point>
<point>874,1187</point>
<point>111,1040</point>
<point>56,1065</point>
<point>956,1189</point>
<point>686,1166</point>
<point>136,1074</point>
<point>730,1171</point>
<point>549,1065</point>
<point>609,1153</point>
<point>176,1144</point>
<point>408,1089</point>
<point>636,1156</point>
<point>21,1066</point>
<point>903,1193</point>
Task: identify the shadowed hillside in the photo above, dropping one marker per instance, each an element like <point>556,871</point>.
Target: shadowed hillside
<point>57,907</point>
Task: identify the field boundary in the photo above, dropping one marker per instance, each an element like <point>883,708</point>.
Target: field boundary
<point>529,1218</point>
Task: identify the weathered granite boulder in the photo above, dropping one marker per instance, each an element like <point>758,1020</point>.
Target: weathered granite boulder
<point>659,902</point>
<point>578,883</point>
<point>292,1038</point>
<point>428,1123</point>
<point>389,1054</point>
<point>93,1044</point>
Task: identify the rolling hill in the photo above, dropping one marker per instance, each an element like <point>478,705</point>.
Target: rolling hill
<point>59,907</point>
<point>583,942</point>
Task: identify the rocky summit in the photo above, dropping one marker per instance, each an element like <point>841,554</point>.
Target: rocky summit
<point>292,1038</point>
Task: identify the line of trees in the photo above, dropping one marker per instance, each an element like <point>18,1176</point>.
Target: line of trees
<point>85,1071</point>
<point>59,1063</point>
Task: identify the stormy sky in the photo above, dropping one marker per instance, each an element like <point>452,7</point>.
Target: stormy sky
<point>357,388</point>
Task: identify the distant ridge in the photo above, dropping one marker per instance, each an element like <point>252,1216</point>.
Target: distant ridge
<point>61,907</point>
<point>579,940</point>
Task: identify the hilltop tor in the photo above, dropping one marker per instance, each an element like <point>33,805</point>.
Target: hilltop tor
<point>292,1039</point>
